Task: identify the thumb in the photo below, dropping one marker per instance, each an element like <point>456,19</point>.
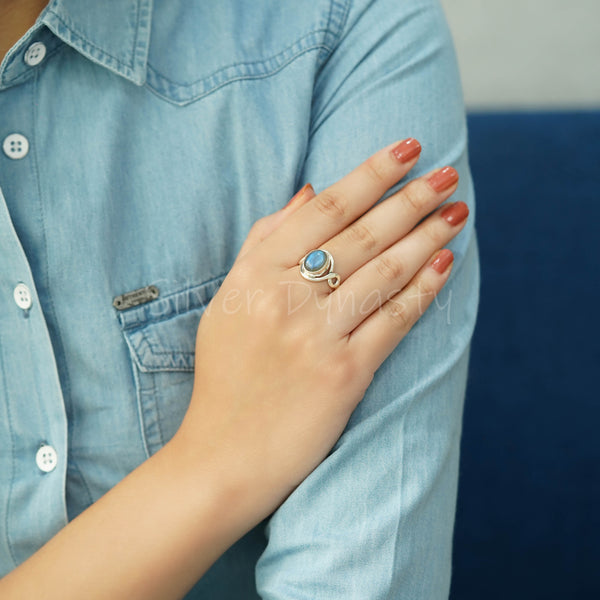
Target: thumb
<point>267,225</point>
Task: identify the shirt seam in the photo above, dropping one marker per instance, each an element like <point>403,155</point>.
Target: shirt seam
<point>137,32</point>
<point>280,56</point>
<point>63,385</point>
<point>100,51</point>
<point>127,324</point>
<point>29,73</point>
<point>12,465</point>
<point>252,63</point>
<point>336,22</point>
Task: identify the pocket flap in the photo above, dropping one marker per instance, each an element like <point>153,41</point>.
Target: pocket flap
<point>161,335</point>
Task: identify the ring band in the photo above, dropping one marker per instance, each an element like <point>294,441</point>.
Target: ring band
<point>317,265</point>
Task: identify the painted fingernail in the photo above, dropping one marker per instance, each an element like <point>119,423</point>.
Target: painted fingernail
<point>301,193</point>
<point>407,150</point>
<point>442,261</point>
<point>443,179</point>
<point>455,213</point>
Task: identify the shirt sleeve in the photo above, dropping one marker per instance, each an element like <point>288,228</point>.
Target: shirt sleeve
<point>375,519</point>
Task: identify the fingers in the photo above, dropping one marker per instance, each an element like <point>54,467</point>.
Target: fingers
<point>390,221</point>
<point>386,274</point>
<point>265,226</point>
<point>378,335</point>
<point>340,204</point>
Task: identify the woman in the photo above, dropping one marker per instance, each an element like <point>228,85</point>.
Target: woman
<point>140,143</point>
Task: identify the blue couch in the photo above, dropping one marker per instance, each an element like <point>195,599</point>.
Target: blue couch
<point>528,524</point>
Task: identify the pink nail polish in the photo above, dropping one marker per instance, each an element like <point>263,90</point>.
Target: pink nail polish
<point>442,261</point>
<point>443,179</point>
<point>455,213</point>
<point>407,150</point>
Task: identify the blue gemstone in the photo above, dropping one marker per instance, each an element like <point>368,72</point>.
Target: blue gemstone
<point>315,260</point>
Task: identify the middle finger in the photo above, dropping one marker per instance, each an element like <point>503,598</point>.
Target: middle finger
<point>386,274</point>
<point>389,221</point>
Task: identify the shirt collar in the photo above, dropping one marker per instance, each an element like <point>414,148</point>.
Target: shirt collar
<point>112,33</point>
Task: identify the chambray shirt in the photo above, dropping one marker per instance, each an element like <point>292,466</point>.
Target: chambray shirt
<point>140,141</point>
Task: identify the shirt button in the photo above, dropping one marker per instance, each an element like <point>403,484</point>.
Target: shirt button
<point>46,458</point>
<point>15,146</point>
<point>22,296</point>
<point>35,54</point>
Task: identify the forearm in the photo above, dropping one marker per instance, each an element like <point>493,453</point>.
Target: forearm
<point>151,536</point>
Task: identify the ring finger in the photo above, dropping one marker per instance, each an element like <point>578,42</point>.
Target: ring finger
<point>389,221</point>
<point>386,274</point>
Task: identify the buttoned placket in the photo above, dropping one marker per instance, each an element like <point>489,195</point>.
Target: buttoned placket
<point>34,495</point>
<point>33,420</point>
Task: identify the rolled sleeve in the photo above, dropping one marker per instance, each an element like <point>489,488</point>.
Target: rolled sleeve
<point>375,519</point>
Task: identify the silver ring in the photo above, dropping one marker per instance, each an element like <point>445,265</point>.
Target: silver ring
<point>317,265</point>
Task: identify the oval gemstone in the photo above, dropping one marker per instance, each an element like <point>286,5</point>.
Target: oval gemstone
<point>315,260</point>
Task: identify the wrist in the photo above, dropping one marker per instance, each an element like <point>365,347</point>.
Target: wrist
<point>214,484</point>
<point>214,453</point>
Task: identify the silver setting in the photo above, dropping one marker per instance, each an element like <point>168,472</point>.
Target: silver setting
<point>325,273</point>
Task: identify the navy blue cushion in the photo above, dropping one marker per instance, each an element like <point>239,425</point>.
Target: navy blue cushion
<point>528,522</point>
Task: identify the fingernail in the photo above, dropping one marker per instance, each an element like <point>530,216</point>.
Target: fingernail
<point>407,150</point>
<point>456,213</point>
<point>300,193</point>
<point>443,179</point>
<point>442,261</point>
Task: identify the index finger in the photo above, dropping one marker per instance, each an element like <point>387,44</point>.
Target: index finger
<point>333,209</point>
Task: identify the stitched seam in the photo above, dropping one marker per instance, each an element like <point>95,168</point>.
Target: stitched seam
<point>5,83</point>
<point>65,386</point>
<point>152,405</point>
<point>143,343</point>
<point>336,21</point>
<point>137,33</point>
<point>141,52</point>
<point>14,52</point>
<point>154,348</point>
<point>241,63</point>
<point>249,76</point>
<point>138,396</point>
<point>12,463</point>
<point>187,288</point>
<point>36,175</point>
<point>149,321</point>
<point>169,351</point>
<point>160,368</point>
<point>233,80</point>
<point>140,324</point>
<point>77,34</point>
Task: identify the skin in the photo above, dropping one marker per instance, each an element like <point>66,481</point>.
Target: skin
<point>276,380</point>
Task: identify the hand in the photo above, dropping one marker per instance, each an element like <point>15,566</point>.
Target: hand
<point>282,362</point>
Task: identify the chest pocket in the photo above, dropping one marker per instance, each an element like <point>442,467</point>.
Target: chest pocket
<point>161,337</point>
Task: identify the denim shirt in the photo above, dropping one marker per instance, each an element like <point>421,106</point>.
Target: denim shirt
<point>141,140</point>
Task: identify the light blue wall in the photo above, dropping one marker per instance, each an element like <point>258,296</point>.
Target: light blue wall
<point>534,54</point>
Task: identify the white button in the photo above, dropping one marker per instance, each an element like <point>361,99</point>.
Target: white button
<point>46,458</point>
<point>22,296</point>
<point>15,146</point>
<point>35,54</point>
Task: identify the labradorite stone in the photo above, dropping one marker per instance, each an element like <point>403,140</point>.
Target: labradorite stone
<point>315,260</point>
